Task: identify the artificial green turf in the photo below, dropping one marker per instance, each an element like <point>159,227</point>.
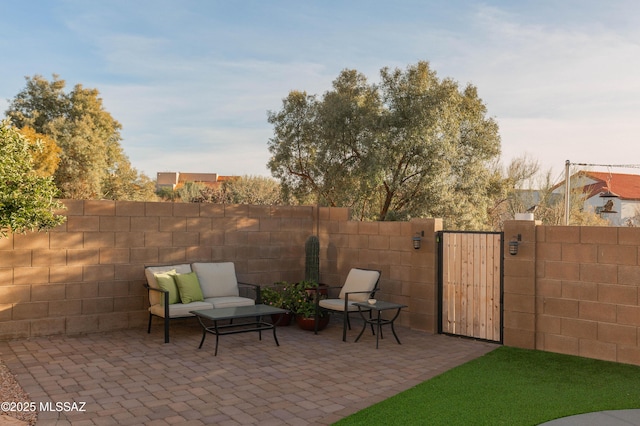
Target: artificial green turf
<point>510,386</point>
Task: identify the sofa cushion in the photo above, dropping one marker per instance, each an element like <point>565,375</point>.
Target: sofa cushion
<point>229,302</point>
<point>189,287</point>
<point>180,310</point>
<point>149,271</point>
<point>167,282</point>
<point>217,279</point>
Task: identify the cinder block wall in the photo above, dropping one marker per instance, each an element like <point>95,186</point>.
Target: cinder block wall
<point>87,275</point>
<point>581,298</point>
<point>408,277</point>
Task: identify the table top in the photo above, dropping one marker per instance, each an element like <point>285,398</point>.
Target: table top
<point>238,312</point>
<point>380,305</point>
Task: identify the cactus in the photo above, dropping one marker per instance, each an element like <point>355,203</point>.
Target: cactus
<point>312,259</point>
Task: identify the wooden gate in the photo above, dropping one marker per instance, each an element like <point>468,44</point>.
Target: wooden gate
<point>470,284</point>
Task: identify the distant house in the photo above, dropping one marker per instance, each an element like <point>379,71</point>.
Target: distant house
<point>175,180</point>
<point>622,208</point>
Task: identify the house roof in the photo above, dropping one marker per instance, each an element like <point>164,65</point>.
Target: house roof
<point>626,186</point>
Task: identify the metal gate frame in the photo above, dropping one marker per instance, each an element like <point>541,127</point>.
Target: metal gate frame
<point>440,241</point>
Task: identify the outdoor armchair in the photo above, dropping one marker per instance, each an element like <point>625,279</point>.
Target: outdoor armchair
<point>360,285</point>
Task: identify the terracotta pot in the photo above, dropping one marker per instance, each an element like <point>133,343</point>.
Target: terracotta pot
<point>309,323</point>
<point>285,319</point>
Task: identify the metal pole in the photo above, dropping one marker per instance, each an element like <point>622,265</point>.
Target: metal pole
<point>567,191</point>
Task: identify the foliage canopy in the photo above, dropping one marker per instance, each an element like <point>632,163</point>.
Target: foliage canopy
<point>92,163</point>
<point>411,146</point>
<point>26,199</point>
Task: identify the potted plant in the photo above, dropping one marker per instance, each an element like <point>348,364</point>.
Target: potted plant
<point>304,305</point>
<point>279,296</point>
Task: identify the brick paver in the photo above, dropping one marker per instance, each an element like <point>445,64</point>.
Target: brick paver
<point>131,377</point>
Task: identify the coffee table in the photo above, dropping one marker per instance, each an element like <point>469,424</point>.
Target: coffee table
<point>377,320</point>
<point>219,314</point>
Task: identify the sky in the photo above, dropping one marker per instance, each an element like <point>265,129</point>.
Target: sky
<point>191,81</point>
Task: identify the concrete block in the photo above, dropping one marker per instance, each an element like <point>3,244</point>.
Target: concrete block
<point>115,224</point>
<point>15,330</point>
<point>66,240</point>
<point>619,334</point>
<point>13,258</point>
<point>99,239</point>
<point>35,275</point>
<point>618,294</point>
<point>31,241</point>
<point>561,344</point>
<point>581,329</point>
<point>47,257</point>
<point>185,239</point>
<point>130,208</point>
<point>158,209</point>
<point>129,239</point>
<point>145,224</point>
<point>93,273</point>
<point>48,327</point>
<point>597,311</point>
<point>617,255</point>
<point>30,310</point>
<point>113,321</point>
<point>599,273</point>
<point>83,223</point>
<point>173,224</point>
<point>562,271</point>
<point>598,235</point>
<point>211,210</point>
<point>47,292</point>
<point>82,324</point>
<point>99,208</point>
<point>186,209</point>
<point>628,315</point>
<point>598,350</point>
<point>65,274</point>
<point>83,256</point>
<point>586,253</point>
<point>579,290</point>
<point>64,308</point>
<point>158,239</point>
<point>199,224</point>
<point>114,256</point>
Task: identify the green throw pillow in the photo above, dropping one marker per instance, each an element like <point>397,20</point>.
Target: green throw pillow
<point>189,287</point>
<point>166,282</point>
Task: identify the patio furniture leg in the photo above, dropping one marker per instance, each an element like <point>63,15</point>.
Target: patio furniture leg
<point>166,330</point>
<point>344,326</point>
<point>149,328</point>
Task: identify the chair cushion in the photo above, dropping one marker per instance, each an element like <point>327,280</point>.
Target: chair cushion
<point>338,305</point>
<point>229,302</point>
<point>149,271</point>
<point>217,279</point>
<point>359,280</point>
<point>179,310</point>
<point>189,287</point>
<point>167,282</point>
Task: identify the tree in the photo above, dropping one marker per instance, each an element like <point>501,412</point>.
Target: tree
<point>255,190</point>
<point>525,189</point>
<point>44,151</point>
<point>412,146</point>
<point>92,162</point>
<point>26,199</point>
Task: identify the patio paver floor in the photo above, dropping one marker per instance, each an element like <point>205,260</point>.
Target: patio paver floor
<point>130,377</point>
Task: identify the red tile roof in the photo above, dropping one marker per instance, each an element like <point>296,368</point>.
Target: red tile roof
<point>627,187</point>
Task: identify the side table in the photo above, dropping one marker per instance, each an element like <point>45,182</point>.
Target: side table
<point>377,319</point>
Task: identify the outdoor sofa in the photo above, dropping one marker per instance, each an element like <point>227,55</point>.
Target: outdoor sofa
<point>176,290</point>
